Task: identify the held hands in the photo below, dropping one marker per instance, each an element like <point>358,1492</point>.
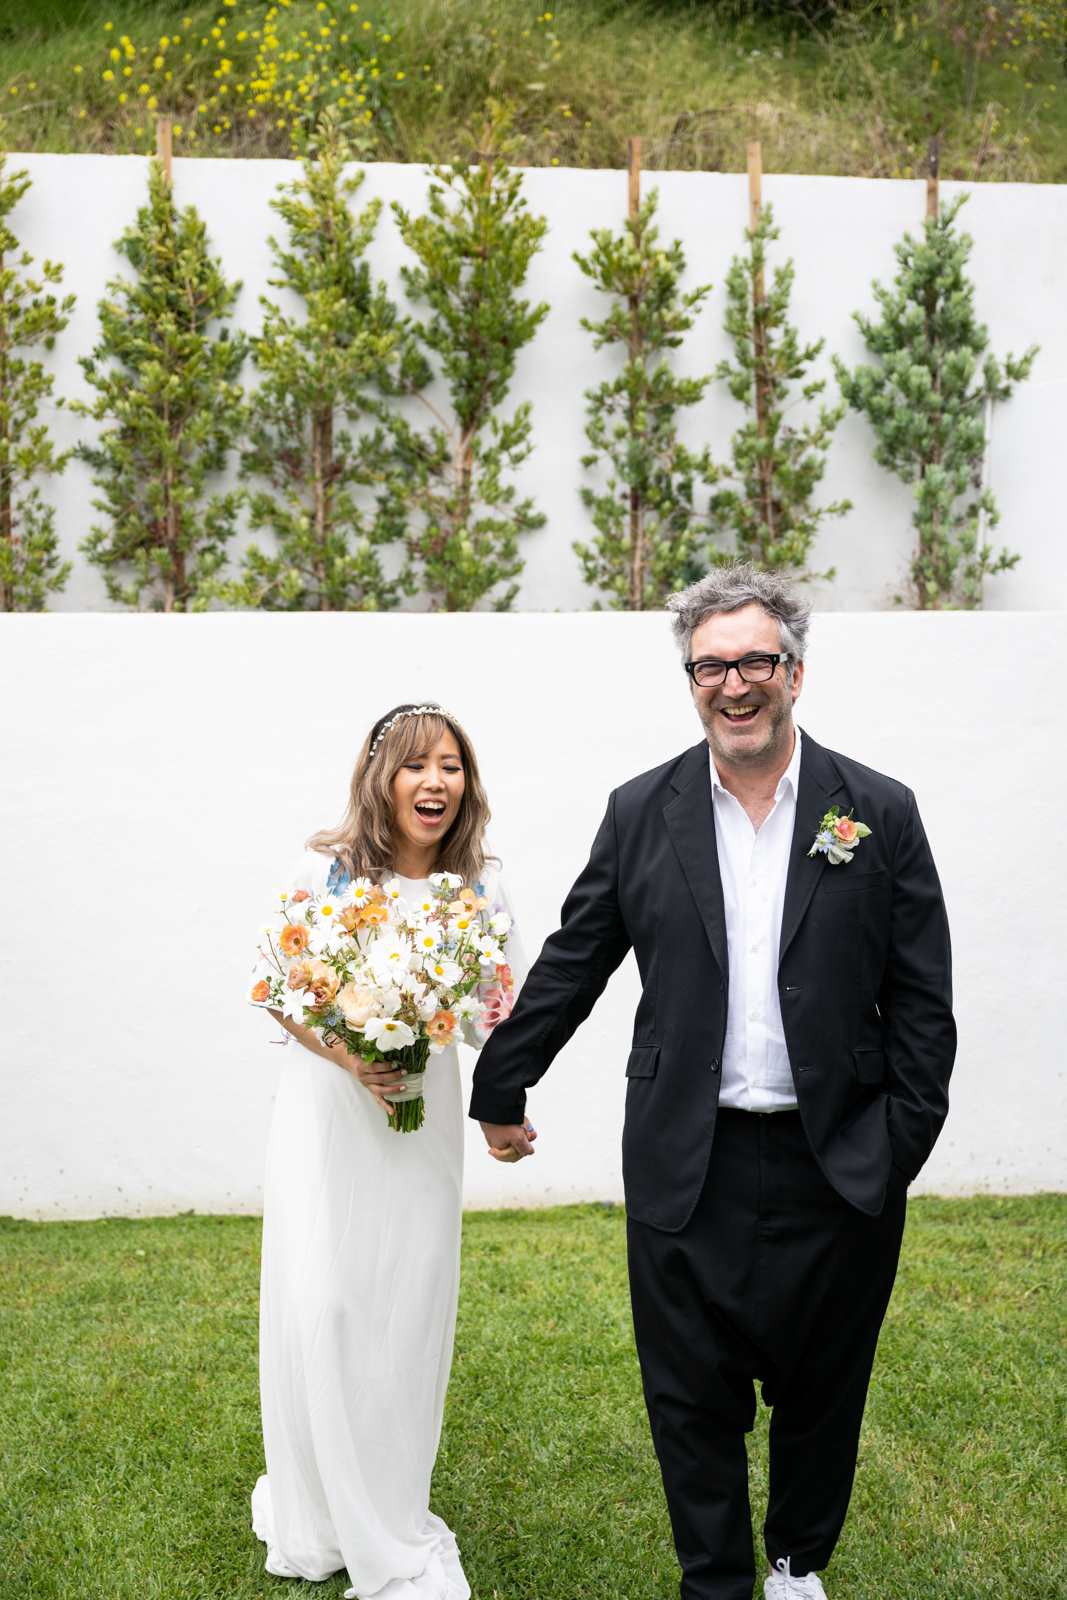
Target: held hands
<point>510,1142</point>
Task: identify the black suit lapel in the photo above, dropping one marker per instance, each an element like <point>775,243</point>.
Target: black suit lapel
<point>818,782</point>
<point>691,825</point>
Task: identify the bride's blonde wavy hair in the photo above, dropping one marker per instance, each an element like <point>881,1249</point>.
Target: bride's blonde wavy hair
<point>363,840</point>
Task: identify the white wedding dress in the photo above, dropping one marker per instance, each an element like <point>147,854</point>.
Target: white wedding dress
<point>359,1286</point>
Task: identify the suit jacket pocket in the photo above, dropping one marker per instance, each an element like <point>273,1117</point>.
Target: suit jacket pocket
<point>870,1064</point>
<point>844,879</point>
<point>643,1061</point>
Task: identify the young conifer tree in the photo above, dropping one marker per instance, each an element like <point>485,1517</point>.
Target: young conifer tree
<point>461,519</point>
<point>172,412</point>
<point>647,526</point>
<point>313,369</point>
<point>926,409</point>
<point>768,517</point>
<point>30,568</point>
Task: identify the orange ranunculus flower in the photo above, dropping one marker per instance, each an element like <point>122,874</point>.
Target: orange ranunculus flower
<point>323,980</point>
<point>293,938</point>
<point>299,975</point>
<point>261,991</point>
<point>504,978</point>
<point>845,830</point>
<point>370,912</point>
<point>441,1027</point>
<point>301,894</point>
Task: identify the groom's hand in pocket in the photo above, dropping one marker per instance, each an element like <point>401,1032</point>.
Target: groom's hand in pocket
<point>509,1141</point>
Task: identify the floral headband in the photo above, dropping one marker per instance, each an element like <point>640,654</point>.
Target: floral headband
<point>416,711</point>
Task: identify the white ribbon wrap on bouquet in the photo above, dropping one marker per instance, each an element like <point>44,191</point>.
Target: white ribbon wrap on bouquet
<point>408,1089</point>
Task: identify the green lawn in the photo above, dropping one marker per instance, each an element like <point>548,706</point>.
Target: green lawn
<point>129,1433</point>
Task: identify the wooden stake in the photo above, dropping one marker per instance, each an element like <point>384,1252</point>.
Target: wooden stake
<point>164,131</point>
<point>633,163</point>
<point>636,351</point>
<point>759,340</point>
<point>755,205</point>
<point>755,178</point>
<point>933,174</point>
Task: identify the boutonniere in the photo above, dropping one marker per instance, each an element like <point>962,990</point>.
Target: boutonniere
<point>838,837</point>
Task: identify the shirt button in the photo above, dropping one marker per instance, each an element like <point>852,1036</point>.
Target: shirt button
<point>755,1083</point>
<point>753,883</point>
<point>754,1015</point>
<point>755,947</point>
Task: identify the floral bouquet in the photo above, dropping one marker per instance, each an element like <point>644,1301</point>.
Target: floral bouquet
<point>390,981</point>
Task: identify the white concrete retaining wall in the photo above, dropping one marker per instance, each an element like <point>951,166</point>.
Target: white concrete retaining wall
<point>157,783</point>
<point>840,232</point>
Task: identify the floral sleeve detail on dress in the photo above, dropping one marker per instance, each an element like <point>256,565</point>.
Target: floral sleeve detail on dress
<point>339,878</point>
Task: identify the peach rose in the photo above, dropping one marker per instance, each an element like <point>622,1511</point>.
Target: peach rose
<point>299,975</point>
<point>845,830</point>
<point>356,1004</point>
<point>293,938</point>
<point>301,894</point>
<point>441,1027</point>
<point>323,980</point>
<point>261,991</point>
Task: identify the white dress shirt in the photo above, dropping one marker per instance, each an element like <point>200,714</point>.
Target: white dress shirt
<point>753,868</point>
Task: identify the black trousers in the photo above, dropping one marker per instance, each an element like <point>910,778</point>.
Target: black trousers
<point>774,1278</point>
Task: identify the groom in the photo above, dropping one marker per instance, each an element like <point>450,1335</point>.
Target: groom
<point>788,1079</point>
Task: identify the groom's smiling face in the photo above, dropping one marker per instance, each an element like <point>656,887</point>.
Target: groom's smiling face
<point>747,724</point>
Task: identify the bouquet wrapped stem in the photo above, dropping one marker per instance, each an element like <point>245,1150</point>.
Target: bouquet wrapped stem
<point>409,1113</point>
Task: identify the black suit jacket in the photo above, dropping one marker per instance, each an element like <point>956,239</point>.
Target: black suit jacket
<point>864,981</point>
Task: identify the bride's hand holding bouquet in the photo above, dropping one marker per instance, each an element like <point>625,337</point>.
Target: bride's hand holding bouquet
<point>388,982</point>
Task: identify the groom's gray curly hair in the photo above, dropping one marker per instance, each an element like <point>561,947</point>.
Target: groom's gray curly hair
<point>739,584</point>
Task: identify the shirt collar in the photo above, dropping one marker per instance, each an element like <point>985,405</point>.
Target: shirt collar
<point>790,777</point>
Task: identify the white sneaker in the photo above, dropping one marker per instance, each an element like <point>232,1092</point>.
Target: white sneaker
<point>781,1585</point>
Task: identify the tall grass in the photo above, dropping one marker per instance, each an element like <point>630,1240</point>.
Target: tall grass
<point>842,89</point>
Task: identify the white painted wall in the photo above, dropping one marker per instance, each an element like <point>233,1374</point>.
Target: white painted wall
<point>157,785</point>
<point>840,232</point>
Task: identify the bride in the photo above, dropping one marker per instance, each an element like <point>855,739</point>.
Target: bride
<point>361,1224</point>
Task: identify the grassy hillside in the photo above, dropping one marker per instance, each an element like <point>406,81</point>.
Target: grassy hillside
<point>828,87</point>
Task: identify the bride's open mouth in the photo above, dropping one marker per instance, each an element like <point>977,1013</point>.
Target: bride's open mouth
<point>431,812</point>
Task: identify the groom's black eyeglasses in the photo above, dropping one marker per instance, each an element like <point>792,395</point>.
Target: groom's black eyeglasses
<point>750,669</point>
